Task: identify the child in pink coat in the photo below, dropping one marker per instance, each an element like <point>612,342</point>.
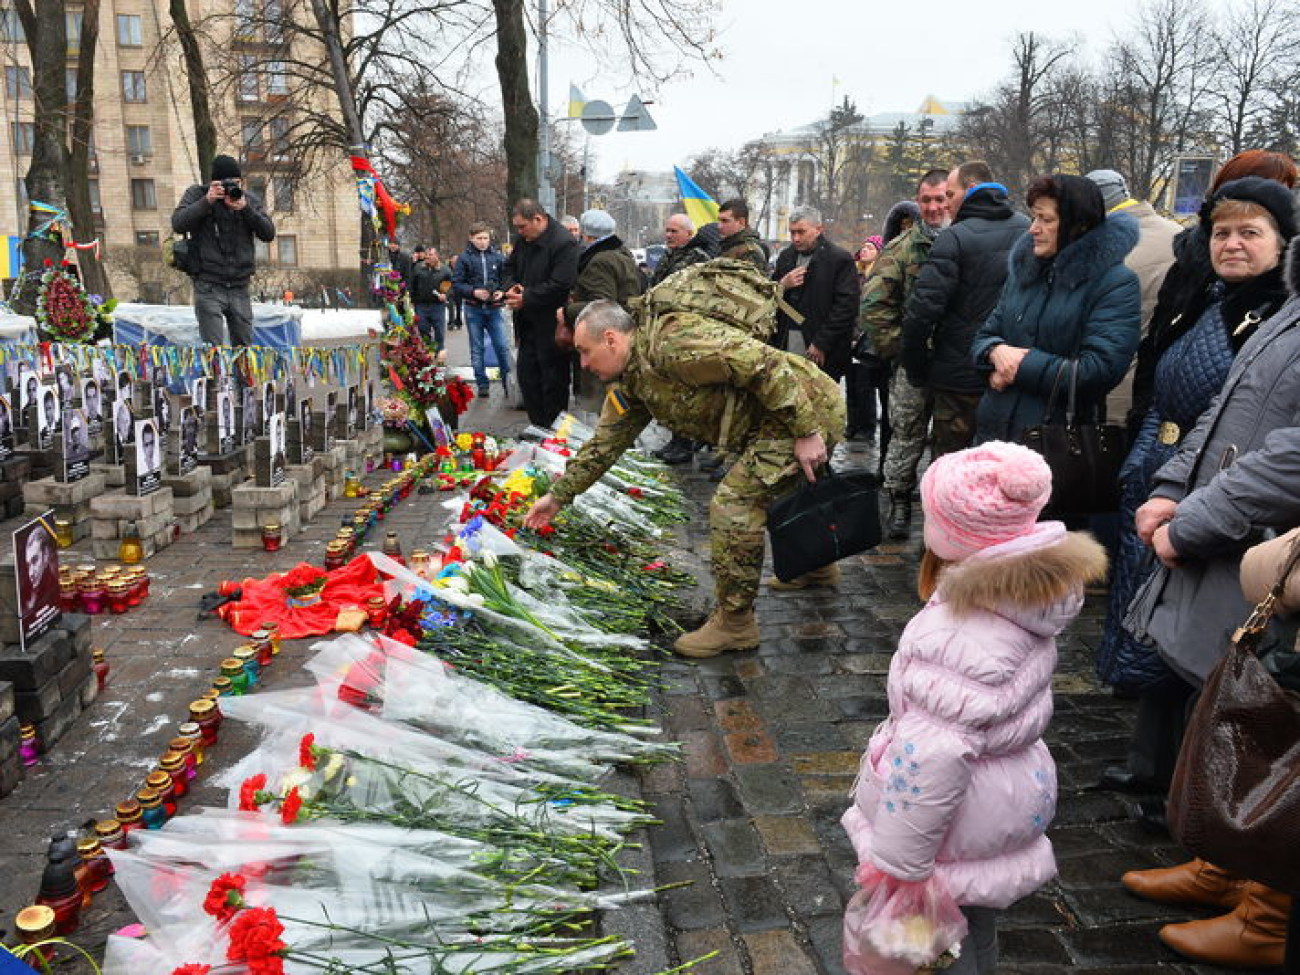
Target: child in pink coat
<point>957,784</point>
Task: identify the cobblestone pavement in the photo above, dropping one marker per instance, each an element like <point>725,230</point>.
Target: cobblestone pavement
<point>749,818</point>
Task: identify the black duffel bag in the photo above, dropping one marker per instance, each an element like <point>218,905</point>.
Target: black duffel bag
<point>822,522</point>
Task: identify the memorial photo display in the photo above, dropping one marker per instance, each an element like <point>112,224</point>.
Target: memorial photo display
<point>188,451</point>
<point>250,424</point>
<point>92,401</point>
<point>148,457</point>
<point>76,445</point>
<point>6,428</point>
<point>36,565</point>
<point>226,420</point>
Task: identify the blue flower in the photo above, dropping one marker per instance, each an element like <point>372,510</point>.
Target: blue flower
<point>909,748</point>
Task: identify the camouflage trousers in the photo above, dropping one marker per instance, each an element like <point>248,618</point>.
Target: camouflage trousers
<point>762,472</point>
<point>916,415</point>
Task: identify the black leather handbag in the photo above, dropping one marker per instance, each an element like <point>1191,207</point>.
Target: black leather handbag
<point>1085,458</point>
<point>822,522</point>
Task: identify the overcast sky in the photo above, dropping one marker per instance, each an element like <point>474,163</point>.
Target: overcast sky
<point>782,58</point>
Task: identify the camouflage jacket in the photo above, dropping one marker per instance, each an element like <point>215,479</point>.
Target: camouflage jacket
<point>705,381</point>
<point>885,293</point>
<point>745,245</point>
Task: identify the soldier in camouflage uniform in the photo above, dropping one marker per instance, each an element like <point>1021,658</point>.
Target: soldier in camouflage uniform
<point>777,413</point>
<point>740,241</point>
<point>886,292</point>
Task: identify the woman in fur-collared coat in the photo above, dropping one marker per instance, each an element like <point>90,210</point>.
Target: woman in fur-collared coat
<point>1068,296</point>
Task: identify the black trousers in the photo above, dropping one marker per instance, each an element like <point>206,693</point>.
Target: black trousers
<point>542,371</point>
<point>1291,966</point>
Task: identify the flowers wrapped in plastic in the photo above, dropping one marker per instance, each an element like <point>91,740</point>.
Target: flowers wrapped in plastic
<point>893,926</point>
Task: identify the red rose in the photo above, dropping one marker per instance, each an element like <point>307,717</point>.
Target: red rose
<point>255,940</point>
<point>225,896</point>
<point>248,801</point>
<point>290,806</point>
<point>306,754</point>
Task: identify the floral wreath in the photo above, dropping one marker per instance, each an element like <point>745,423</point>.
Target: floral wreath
<point>63,309</point>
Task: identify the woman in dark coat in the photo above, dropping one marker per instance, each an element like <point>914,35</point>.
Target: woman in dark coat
<point>1247,224</point>
<point>1068,296</point>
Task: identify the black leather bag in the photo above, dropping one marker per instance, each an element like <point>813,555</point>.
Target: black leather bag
<point>822,522</point>
<point>1085,458</point>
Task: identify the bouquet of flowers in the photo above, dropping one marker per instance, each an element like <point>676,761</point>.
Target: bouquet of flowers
<point>421,380</point>
<point>395,412</point>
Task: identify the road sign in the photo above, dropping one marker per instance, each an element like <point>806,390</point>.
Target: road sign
<point>598,117</point>
<point>636,117</point>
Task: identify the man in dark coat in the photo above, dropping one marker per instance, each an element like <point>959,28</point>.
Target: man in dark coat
<point>740,241</point>
<point>685,247</point>
<point>820,280</point>
<point>430,286</point>
<point>955,292</point>
<point>537,278</point>
<point>222,218</point>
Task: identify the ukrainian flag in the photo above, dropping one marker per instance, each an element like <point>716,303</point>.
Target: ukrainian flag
<point>577,101</point>
<point>700,207</point>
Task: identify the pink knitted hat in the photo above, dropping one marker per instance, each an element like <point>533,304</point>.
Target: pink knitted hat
<point>981,497</point>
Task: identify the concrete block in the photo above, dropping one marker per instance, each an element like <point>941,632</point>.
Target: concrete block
<point>40,664</point>
<point>72,676</point>
<point>15,469</point>
<point>50,729</point>
<point>6,703</point>
<point>247,496</point>
<point>190,504</point>
<point>114,475</point>
<point>186,485</point>
<point>33,707</point>
<point>192,523</point>
<point>51,492</point>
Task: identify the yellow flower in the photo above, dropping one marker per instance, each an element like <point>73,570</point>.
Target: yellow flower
<point>464,441</point>
<point>520,482</point>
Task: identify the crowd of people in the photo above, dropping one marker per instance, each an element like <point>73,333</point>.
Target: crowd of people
<point>967,323</point>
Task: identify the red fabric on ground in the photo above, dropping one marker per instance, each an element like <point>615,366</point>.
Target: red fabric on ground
<point>264,600</point>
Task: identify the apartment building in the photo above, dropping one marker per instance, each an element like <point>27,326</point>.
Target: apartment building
<point>143,153</point>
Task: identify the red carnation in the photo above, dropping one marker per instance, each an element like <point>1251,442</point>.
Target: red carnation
<point>635,492</point>
<point>192,969</point>
<point>306,752</point>
<point>255,940</point>
<point>290,806</point>
<point>225,896</point>
<point>248,801</point>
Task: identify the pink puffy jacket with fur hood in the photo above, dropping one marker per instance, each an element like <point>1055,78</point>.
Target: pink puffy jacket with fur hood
<point>957,780</point>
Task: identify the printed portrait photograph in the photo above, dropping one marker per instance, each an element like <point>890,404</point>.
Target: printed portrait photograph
<point>92,401</point>
<point>76,436</point>
<point>148,449</point>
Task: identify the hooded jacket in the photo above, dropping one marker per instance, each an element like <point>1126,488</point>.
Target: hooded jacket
<point>1082,303</point>
<point>957,289</point>
<point>606,269</point>
<point>957,780</point>
<point>222,251</point>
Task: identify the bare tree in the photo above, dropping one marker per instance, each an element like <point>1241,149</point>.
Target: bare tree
<point>80,208</point>
<point>521,118</point>
<point>196,76</point>
<point>1255,69</point>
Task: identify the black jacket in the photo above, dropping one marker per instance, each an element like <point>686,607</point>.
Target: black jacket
<point>478,271</point>
<point>221,239</point>
<point>697,250</point>
<point>957,289</point>
<point>425,283</point>
<point>828,300</point>
<point>547,268</point>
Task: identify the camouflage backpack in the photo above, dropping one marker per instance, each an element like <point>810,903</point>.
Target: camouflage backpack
<point>724,290</point>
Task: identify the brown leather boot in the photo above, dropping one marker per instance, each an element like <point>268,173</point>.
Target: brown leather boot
<point>1252,936</point>
<point>721,631</point>
<point>827,575</point>
<point>1194,882</point>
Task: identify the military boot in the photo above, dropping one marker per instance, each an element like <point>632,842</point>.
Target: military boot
<point>721,631</point>
<point>678,450</point>
<point>900,515</point>
<point>827,575</point>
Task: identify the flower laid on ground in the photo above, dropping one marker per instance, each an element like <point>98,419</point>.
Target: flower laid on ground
<point>226,895</point>
<point>303,580</point>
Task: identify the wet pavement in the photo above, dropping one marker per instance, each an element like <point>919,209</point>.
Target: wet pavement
<point>749,819</point>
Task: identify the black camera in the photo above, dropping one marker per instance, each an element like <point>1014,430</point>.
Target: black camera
<point>232,189</point>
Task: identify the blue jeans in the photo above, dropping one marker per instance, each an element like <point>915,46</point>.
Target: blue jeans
<point>479,319</point>
<point>432,319</point>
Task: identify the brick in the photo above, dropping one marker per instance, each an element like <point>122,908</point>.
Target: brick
<point>11,774</point>
<point>737,714</point>
<point>786,835</point>
<point>50,729</point>
<point>750,747</point>
<point>182,486</point>
<point>33,707</point>
<point>114,474</point>
<point>714,942</point>
<point>42,662</point>
<point>192,523</point>
<point>778,953</point>
<point>15,469</point>
<point>80,634</point>
<point>72,676</point>
<point>50,491</point>
<point>257,497</point>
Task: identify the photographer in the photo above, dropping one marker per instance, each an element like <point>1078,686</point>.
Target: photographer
<point>221,219</point>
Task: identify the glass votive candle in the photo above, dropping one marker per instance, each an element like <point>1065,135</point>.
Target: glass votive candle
<point>272,629</point>
<point>69,594</point>
<point>92,596</point>
<point>184,747</point>
<point>35,924</point>
<point>192,733</point>
<point>152,813</point>
<point>235,675</point>
<point>272,536</point>
<point>246,654</point>
<point>261,641</point>
<point>129,816</point>
<point>29,747</point>
<point>334,555</point>
<point>377,610</point>
<point>161,782</point>
<point>208,717</point>
<point>119,595</point>
<point>173,763</point>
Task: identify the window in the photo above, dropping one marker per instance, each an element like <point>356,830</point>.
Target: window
<point>273,11</point>
<point>96,207</point>
<point>277,81</point>
<point>129,30</point>
<point>146,238</point>
<point>286,250</point>
<point>11,27</point>
<point>257,186</point>
<point>279,137</point>
<point>139,140</point>
<point>245,14</point>
<point>250,133</point>
<point>70,84</point>
<point>18,82</point>
<point>261,251</point>
<point>72,20</point>
<point>133,87</point>
<point>248,90</point>
<point>143,196</point>
<point>283,187</point>
<point>24,136</point>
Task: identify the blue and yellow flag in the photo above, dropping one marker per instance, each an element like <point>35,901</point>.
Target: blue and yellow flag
<point>700,207</point>
<point>577,101</point>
